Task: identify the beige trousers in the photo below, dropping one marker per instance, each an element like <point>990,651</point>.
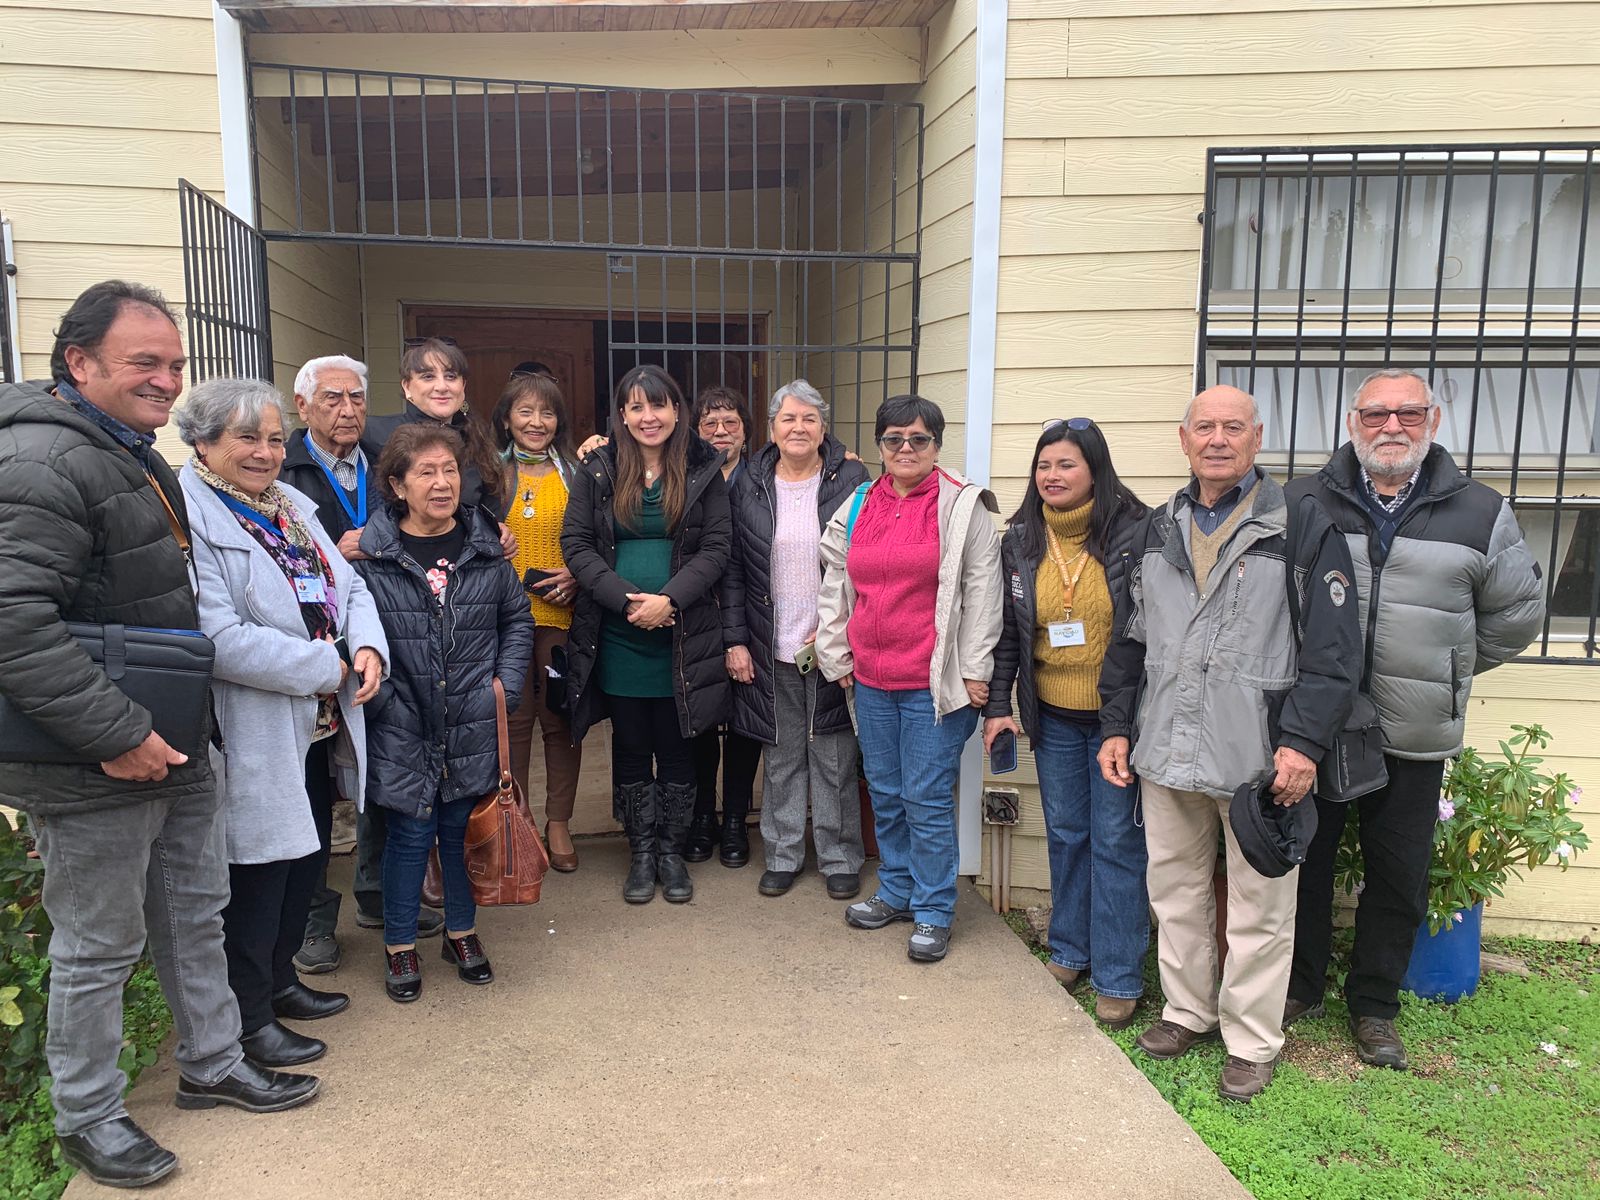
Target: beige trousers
<point>1181,833</point>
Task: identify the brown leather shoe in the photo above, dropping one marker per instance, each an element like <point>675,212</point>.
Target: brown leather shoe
<point>1294,1009</point>
<point>1065,976</point>
<point>1243,1080</point>
<point>565,863</point>
<point>1165,1039</point>
<point>1377,1043</point>
<point>1114,1012</point>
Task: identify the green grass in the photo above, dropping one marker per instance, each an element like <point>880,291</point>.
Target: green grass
<point>1485,1112</point>
<point>30,1165</point>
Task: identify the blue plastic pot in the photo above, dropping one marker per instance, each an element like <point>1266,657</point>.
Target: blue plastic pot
<point>1444,965</point>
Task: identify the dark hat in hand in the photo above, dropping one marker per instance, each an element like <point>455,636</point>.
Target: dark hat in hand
<point>1274,839</point>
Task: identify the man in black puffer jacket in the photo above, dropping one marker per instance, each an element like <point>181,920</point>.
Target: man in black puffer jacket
<point>93,529</point>
<point>1448,589</point>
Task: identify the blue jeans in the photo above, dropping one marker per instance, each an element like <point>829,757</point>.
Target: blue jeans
<point>912,763</point>
<point>405,862</point>
<point>1100,911</point>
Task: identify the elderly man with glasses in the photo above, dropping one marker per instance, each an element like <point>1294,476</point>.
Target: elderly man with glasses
<point>326,461</point>
<point>1448,589</point>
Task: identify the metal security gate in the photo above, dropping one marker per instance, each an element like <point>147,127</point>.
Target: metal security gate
<point>744,238</point>
<point>225,283</point>
<point>10,354</point>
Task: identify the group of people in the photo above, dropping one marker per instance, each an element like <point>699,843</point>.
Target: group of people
<point>366,581</point>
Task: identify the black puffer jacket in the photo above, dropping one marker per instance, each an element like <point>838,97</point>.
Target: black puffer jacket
<point>431,733</point>
<point>699,557</point>
<point>380,429</point>
<point>1013,657</point>
<point>747,609</point>
<point>82,538</point>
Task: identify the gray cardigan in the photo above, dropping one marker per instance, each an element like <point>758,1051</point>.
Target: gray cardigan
<point>268,675</point>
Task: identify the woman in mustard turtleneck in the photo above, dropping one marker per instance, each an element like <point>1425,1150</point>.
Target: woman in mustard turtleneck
<point>1064,558</point>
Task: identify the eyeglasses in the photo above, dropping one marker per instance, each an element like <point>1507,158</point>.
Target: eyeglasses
<point>1230,429</point>
<point>919,442</point>
<point>731,423</point>
<point>1076,424</point>
<point>413,343</point>
<point>1377,416</point>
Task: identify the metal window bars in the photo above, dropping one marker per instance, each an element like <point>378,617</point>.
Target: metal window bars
<point>1473,264</point>
<point>745,237</point>
<point>225,290</point>
<point>10,351</point>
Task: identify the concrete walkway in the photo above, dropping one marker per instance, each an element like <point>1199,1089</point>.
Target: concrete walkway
<point>736,1046</point>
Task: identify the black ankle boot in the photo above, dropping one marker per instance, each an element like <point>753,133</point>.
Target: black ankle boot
<point>702,837</point>
<point>675,808</point>
<point>637,803</point>
<point>735,840</point>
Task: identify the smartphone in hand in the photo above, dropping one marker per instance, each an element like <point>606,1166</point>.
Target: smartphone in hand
<point>536,582</point>
<point>1003,753</point>
<point>805,658</point>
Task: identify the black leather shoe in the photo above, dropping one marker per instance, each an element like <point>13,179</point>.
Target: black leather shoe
<point>472,964</point>
<point>702,837</point>
<point>117,1153</point>
<point>403,978</point>
<point>251,1088</point>
<point>735,850</point>
<point>275,1045</point>
<point>297,1002</point>
<point>846,885</point>
<point>776,883</point>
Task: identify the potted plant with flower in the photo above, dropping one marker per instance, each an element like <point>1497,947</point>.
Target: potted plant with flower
<point>1497,818</point>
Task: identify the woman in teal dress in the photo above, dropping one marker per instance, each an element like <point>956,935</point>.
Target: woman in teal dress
<point>646,536</point>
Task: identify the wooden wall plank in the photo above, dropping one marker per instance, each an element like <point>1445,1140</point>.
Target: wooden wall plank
<point>146,159</point>
<point>1269,108</point>
<point>127,101</point>
<point>120,41</point>
<point>1052,10</point>
<point>1088,282</point>
<point>100,216</point>
<point>1310,42</point>
<point>1082,225</point>
<point>1033,167</point>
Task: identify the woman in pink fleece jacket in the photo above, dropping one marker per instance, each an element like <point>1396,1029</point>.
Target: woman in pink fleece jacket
<point>908,618</point>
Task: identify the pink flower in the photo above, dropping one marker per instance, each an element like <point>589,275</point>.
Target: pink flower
<point>1574,796</point>
<point>1460,917</point>
<point>1446,809</point>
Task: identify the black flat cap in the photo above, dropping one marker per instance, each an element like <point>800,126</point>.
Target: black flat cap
<point>1273,839</point>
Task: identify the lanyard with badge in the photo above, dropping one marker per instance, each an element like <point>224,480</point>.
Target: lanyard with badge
<point>357,512</point>
<point>1066,632</point>
<point>308,589</point>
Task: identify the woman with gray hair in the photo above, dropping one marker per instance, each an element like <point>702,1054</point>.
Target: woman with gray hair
<point>299,650</point>
<point>781,504</point>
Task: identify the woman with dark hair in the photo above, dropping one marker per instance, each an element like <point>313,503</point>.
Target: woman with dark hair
<point>907,618</point>
<point>723,419</point>
<point>457,619</point>
<point>530,423</point>
<point>646,534</point>
<point>433,376</point>
<point>1065,557</point>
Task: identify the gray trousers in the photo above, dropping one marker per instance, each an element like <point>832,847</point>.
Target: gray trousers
<point>114,879</point>
<point>802,768</point>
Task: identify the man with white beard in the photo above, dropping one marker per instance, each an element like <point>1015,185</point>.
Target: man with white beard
<point>1448,589</point>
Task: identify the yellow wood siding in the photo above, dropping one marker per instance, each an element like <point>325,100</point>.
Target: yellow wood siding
<point>1110,109</point>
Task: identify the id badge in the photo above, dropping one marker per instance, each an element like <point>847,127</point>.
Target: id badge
<point>1066,633</point>
<point>310,589</point>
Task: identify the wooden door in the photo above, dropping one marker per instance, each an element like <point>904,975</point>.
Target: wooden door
<point>495,341</point>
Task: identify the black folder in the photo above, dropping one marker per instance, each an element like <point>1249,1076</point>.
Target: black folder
<point>167,671</point>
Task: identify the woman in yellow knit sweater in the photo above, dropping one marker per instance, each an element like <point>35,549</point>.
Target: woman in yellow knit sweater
<point>530,422</point>
<point>1065,557</point>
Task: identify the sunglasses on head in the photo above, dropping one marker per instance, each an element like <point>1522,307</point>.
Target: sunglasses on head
<point>413,343</point>
<point>1076,424</point>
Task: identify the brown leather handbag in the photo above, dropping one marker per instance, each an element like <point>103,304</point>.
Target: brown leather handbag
<point>506,858</point>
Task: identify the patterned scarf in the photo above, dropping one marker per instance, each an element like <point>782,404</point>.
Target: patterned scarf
<point>272,504</point>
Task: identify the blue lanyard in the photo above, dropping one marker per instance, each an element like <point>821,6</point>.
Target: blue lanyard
<point>357,514</point>
<point>250,514</point>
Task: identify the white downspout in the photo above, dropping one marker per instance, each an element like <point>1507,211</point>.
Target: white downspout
<point>233,100</point>
<point>981,325</point>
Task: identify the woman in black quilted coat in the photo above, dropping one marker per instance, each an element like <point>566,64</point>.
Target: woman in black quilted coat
<point>456,618</point>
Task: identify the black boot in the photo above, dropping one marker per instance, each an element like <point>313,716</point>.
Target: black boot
<point>702,837</point>
<point>675,811</point>
<point>735,839</point>
<point>637,804</point>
